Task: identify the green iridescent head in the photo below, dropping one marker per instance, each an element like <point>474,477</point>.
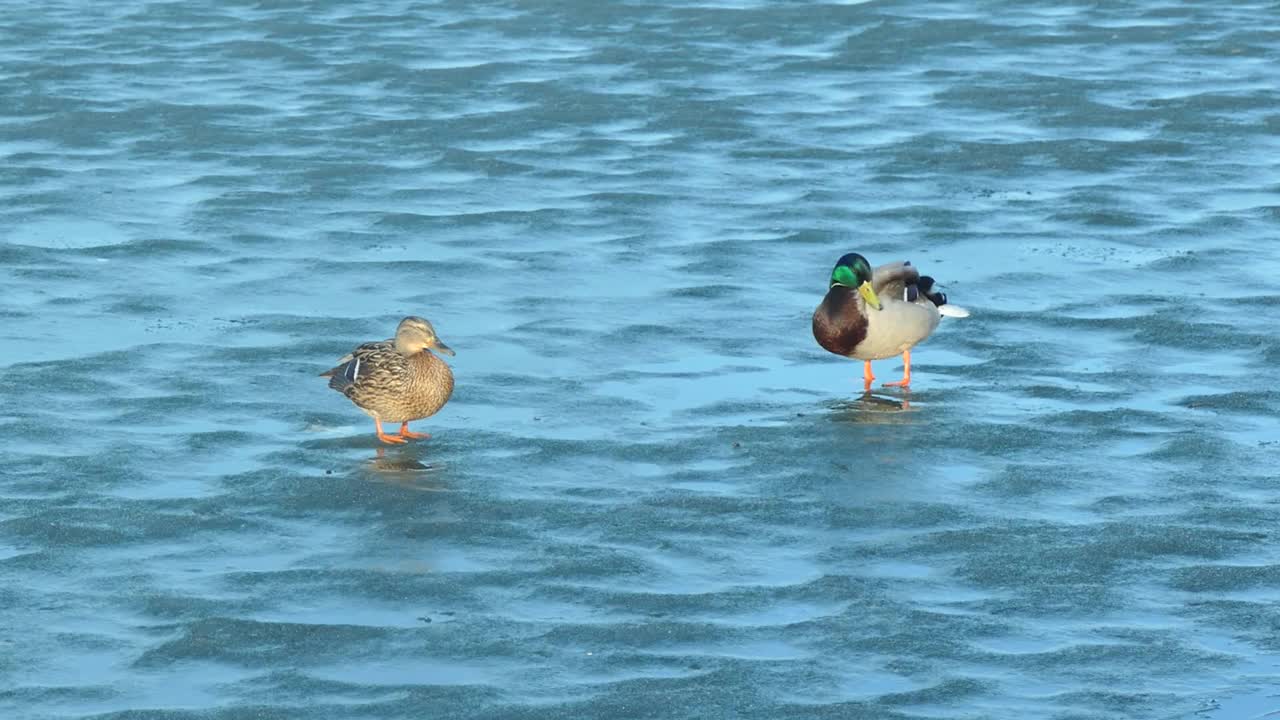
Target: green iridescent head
<point>853,271</point>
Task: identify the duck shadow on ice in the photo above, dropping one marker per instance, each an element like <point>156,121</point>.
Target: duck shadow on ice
<point>874,408</point>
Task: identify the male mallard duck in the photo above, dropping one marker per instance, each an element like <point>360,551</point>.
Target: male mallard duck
<point>872,316</point>
<point>396,380</point>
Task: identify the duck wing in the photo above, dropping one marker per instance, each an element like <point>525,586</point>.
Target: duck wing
<point>902,281</point>
<point>898,280</point>
<point>371,364</point>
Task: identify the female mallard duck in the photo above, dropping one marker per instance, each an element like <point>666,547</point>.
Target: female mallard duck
<point>396,380</point>
<point>875,315</point>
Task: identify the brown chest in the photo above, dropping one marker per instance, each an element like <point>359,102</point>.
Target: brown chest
<point>839,324</point>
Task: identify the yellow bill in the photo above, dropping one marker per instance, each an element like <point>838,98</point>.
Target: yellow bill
<point>868,293</point>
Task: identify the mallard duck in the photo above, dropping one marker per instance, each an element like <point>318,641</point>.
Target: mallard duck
<point>875,315</point>
<point>396,380</point>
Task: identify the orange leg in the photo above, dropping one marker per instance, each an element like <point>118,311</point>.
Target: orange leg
<point>404,433</point>
<point>906,371</point>
<point>867,377</point>
<point>385,437</point>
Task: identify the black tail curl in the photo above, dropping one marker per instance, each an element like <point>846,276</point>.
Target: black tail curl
<point>926,287</point>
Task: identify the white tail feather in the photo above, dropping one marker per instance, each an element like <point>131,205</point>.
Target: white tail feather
<point>952,311</point>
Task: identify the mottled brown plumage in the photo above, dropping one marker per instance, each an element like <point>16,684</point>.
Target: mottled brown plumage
<point>396,380</point>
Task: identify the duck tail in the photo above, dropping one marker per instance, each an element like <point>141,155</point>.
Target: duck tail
<point>940,299</point>
<point>344,375</point>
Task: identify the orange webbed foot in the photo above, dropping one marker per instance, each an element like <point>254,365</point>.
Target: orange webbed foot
<point>906,372</point>
<point>405,433</point>
<point>389,439</point>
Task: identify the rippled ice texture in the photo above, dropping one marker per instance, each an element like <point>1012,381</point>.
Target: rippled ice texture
<point>652,495</point>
